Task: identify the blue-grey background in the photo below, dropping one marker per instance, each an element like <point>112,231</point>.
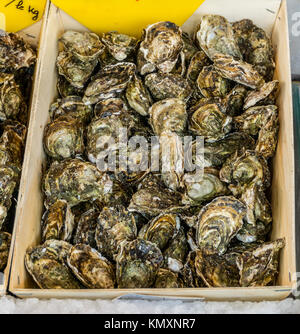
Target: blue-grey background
<point>294,23</point>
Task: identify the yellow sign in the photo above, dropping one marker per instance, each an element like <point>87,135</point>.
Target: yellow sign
<point>127,16</point>
<point>16,15</point>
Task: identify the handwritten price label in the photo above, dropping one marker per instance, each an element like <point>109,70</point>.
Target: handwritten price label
<point>19,14</point>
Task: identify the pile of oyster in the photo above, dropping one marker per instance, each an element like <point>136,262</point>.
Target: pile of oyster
<point>17,60</point>
<point>144,228</point>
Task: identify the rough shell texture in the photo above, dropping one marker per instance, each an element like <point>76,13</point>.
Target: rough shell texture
<point>5,241</point>
<point>166,279</point>
<point>91,268</point>
<point>219,222</point>
<point>138,262</point>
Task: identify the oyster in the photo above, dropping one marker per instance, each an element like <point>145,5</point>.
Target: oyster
<point>84,46</point>
<point>234,101</point>
<point>218,223</point>
<point>86,228</point>
<point>63,138</point>
<point>205,189</point>
<point>165,86</point>
<point>65,88</point>
<point>266,95</point>
<point>190,277</point>
<point>120,46</point>
<point>71,106</point>
<point>211,122</point>
<point>5,241</point>
<point>256,47</point>
<point>215,35</point>
<point>161,45</point>
<point>15,53</point>
<point>238,71</point>
<point>138,262</point>
<point>91,268</point>
<point>211,84</point>
<point>244,168</point>
<point>152,198</point>
<point>111,80</point>
<point>47,266</point>
<point>168,116</point>
<point>196,65</point>
<point>115,225</point>
<point>77,72</point>
<point>160,230</point>
<point>189,48</point>
<point>175,254</point>
<point>12,104</point>
<point>260,266</point>
<point>138,96</point>
<point>75,181</point>
<point>216,271</point>
<point>58,222</point>
<point>167,279</point>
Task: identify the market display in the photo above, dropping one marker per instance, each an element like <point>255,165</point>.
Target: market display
<point>128,228</point>
<point>17,60</point>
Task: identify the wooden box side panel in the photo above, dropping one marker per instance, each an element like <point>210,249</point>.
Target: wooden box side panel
<point>283,184</point>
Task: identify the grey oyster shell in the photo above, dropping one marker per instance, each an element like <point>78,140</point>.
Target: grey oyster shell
<point>164,86</point>
<point>138,262</point>
<point>91,268</point>
<point>167,279</point>
<point>115,225</point>
<point>196,65</point>
<point>161,46</point>
<point>120,46</point>
<point>47,266</point>
<point>58,222</point>
<point>234,101</point>
<point>65,88</point>
<point>63,138</point>
<point>215,35</point>
<point>218,223</point>
<point>5,241</point>
<point>108,82</point>
<point>75,181</point>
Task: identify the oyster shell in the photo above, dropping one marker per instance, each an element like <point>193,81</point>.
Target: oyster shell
<point>71,106</point>
<point>12,104</point>
<point>5,241</point>
<point>167,279</point>
<point>161,46</point>
<point>216,271</point>
<point>218,223</point>
<point>266,95</point>
<point>260,266</point>
<point>160,230</point>
<point>215,35</point>
<point>138,96</point>
<point>206,189</point>
<point>65,88</point>
<point>84,46</point>
<point>63,138</point>
<point>238,71</point>
<point>47,266</point>
<point>165,86</point>
<point>168,116</point>
<point>120,46</point>
<point>75,181</point>
<point>244,168</point>
<point>58,222</point>
<point>138,262</point>
<point>91,268</point>
<point>211,84</point>
<point>110,81</point>
<point>15,53</point>
<point>115,225</point>
<point>75,71</point>
<point>256,47</point>
<point>86,228</point>
<point>234,101</point>
<point>190,277</point>
<point>196,65</point>
<point>152,198</point>
<point>210,121</point>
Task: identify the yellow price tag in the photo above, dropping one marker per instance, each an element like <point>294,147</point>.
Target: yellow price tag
<point>16,15</point>
<point>127,16</point>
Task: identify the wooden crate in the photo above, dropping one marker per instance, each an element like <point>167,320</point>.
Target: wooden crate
<point>283,188</point>
<point>31,35</point>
